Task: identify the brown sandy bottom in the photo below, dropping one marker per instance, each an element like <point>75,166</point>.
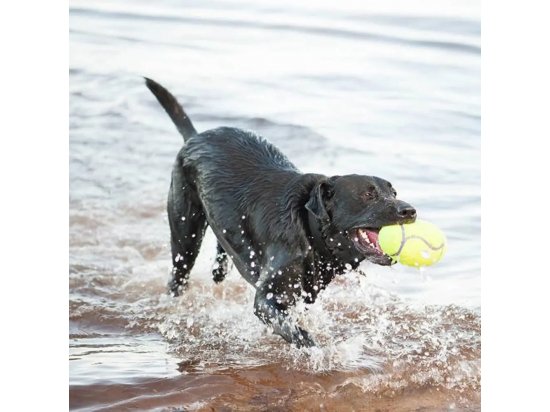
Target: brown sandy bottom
<point>272,388</point>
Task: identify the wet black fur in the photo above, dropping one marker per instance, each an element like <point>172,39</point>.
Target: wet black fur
<point>287,233</point>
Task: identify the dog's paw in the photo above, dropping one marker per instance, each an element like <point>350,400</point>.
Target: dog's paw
<point>178,283</point>
<point>302,339</point>
<point>293,334</point>
<point>174,288</point>
<point>219,271</point>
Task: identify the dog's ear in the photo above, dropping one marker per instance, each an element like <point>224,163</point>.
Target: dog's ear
<point>316,204</point>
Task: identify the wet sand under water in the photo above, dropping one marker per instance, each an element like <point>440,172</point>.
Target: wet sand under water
<point>272,388</point>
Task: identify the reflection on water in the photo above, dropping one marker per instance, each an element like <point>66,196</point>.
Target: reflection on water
<point>391,89</point>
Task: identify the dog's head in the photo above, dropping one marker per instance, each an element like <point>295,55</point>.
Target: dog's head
<point>351,210</point>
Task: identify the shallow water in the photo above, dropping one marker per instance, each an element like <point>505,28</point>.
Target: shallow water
<point>389,90</point>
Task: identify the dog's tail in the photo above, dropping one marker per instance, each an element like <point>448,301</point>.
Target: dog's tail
<point>173,108</point>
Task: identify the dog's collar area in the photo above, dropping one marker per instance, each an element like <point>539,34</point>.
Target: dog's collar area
<point>316,235</point>
<point>335,253</point>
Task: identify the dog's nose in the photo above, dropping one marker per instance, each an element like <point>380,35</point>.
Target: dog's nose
<point>406,211</point>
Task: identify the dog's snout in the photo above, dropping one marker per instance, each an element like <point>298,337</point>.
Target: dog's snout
<point>406,211</point>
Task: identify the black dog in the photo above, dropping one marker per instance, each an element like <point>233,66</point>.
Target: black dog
<point>287,233</point>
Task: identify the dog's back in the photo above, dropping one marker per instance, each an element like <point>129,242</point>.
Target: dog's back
<point>242,151</point>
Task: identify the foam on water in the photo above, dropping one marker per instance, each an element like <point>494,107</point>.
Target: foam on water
<point>358,326</point>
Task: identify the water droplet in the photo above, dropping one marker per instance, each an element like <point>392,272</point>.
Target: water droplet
<point>269,295</point>
<point>243,217</point>
<point>252,264</point>
<point>183,218</point>
<point>224,231</point>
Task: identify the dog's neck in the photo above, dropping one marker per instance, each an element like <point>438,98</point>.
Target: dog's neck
<point>324,240</point>
<point>317,238</point>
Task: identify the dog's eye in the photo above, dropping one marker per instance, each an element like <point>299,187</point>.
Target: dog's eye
<point>394,192</point>
<point>368,195</point>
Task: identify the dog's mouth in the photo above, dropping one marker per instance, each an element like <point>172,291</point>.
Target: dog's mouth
<point>365,240</point>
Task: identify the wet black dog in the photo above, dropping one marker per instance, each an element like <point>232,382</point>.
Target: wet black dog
<point>287,233</point>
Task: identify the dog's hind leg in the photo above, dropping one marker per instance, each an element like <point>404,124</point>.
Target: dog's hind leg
<point>221,267</point>
<point>187,226</point>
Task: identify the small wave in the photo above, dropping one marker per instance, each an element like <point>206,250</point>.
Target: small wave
<point>277,26</point>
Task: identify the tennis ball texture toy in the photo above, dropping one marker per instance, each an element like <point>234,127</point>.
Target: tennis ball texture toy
<point>413,244</point>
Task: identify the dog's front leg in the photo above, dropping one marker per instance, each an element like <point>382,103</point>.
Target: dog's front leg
<point>275,293</point>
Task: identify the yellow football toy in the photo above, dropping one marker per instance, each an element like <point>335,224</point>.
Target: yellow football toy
<point>414,244</point>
